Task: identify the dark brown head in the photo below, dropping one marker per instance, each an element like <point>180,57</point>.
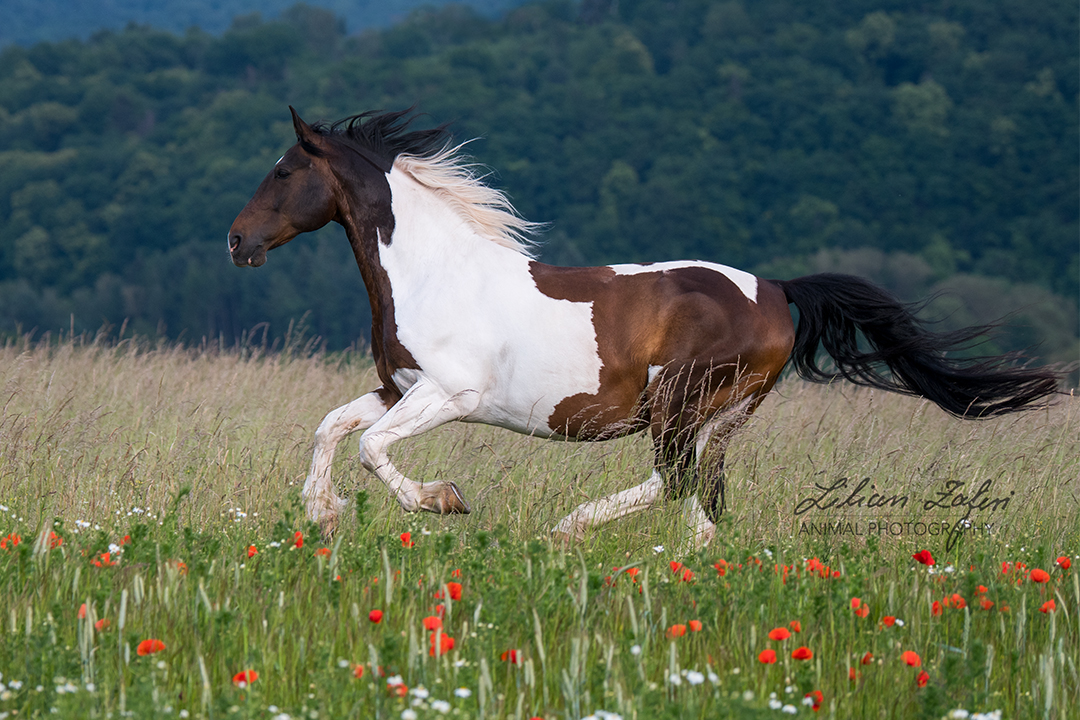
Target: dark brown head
<point>334,172</point>
<point>297,196</point>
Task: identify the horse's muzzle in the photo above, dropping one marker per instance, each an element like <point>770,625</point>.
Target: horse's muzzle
<point>246,254</point>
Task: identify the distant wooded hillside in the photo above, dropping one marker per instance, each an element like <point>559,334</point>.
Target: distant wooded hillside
<point>30,21</point>
<point>928,147</point>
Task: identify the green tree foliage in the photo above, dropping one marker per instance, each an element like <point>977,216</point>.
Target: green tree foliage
<point>764,135</point>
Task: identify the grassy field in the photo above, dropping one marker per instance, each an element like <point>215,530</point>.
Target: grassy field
<point>153,494</point>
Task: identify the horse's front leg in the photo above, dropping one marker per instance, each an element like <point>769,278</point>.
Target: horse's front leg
<point>320,500</point>
<point>424,407</point>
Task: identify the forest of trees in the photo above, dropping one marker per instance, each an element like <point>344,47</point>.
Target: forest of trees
<point>28,21</point>
<point>931,147</point>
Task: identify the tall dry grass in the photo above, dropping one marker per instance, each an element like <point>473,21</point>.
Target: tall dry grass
<point>89,432</point>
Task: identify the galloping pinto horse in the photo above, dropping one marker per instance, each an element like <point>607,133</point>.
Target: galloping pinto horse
<point>467,326</point>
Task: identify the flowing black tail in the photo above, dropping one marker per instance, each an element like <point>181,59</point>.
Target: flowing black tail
<point>834,309</point>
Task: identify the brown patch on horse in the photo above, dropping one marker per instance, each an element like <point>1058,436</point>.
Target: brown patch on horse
<point>693,322</point>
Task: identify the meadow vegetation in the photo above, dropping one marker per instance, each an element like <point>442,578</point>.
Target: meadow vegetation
<point>152,494</point>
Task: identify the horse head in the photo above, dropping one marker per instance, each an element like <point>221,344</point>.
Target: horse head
<point>304,191</point>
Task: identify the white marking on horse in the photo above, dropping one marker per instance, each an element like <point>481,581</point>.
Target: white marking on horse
<point>483,325</point>
<point>654,370</point>
<point>746,282</point>
<point>612,507</point>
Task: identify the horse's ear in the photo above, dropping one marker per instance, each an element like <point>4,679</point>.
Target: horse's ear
<point>304,133</point>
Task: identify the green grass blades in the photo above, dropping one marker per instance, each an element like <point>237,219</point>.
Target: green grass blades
<point>154,561</point>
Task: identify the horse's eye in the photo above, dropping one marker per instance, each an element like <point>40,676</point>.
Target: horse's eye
<point>281,173</point>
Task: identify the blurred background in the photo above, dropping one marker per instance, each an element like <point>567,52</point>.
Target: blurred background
<point>932,147</point>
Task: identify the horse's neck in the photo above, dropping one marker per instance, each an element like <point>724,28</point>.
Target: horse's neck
<point>433,247</point>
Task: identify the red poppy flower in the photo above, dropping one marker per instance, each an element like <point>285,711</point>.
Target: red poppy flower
<point>935,608</point>
<point>102,624</point>
<point>779,633</point>
<point>298,539</point>
<point>855,603</point>
<point>181,566</point>
<point>924,557</point>
<point>406,540</point>
<point>863,611</point>
<point>695,625</point>
<point>676,631</point>
<point>375,616</point>
<point>252,551</point>
<point>986,603</point>
<point>867,658</point>
<point>149,647</point>
<point>56,541</point>
<point>802,653</point>
<point>456,573</point>
<point>888,620</point>
<point>675,567</point>
<point>955,600</point>
<point>1048,607</point>
<point>103,561</point>
<point>431,622</point>
<point>454,590</point>
<point>1040,576</point>
<point>512,656</point>
<point>358,671</point>
<point>126,540</point>
<point>767,657</point>
<point>795,625</point>
<point>911,658</point>
<point>82,611</point>
<point>324,552</point>
<point>1063,562</point>
<point>922,679</point>
<point>818,698</point>
<point>687,575</point>
<point>445,644</point>
<point>721,567</point>
<point>852,674</point>
<point>245,678</point>
<point>981,590</point>
<point>9,542</point>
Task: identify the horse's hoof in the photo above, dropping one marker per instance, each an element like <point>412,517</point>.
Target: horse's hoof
<point>448,500</point>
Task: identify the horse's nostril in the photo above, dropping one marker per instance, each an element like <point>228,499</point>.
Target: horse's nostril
<point>234,241</point>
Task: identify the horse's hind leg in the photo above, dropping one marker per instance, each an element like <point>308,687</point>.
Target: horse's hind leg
<point>710,447</point>
<point>320,500</point>
<point>612,507</point>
